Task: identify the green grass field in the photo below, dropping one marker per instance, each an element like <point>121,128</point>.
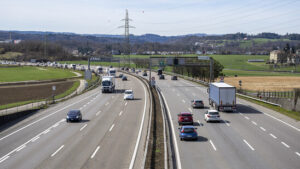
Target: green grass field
<point>25,73</point>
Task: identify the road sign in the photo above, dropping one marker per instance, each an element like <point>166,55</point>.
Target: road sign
<point>53,88</point>
<point>203,58</point>
<point>88,75</point>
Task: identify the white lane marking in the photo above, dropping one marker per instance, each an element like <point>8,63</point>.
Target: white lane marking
<point>61,147</point>
<point>198,122</point>
<point>178,95</point>
<point>194,94</point>
<point>83,127</point>
<point>297,153</point>
<point>98,113</point>
<point>106,103</point>
<point>55,125</point>
<point>125,103</point>
<point>282,121</point>
<point>186,89</point>
<point>249,145</point>
<point>43,118</point>
<point>112,126</point>
<point>120,113</point>
<point>241,113</point>
<point>173,134</point>
<point>247,117</point>
<point>84,105</point>
<point>46,131</point>
<point>35,138</point>
<point>254,122</point>
<point>273,135</point>
<point>285,144</point>
<point>173,90</point>
<point>140,130</point>
<point>263,129</point>
<point>190,110</point>
<point>3,158</point>
<point>212,144</point>
<point>80,108</point>
<point>89,102</point>
<point>94,153</point>
<point>183,101</point>
<point>20,148</point>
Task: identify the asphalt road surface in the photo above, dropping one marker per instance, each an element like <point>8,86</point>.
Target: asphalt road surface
<point>106,138</point>
<point>251,138</point>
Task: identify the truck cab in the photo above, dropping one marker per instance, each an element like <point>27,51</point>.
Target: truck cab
<point>108,84</point>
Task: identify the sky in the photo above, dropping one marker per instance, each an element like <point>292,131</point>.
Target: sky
<point>162,17</point>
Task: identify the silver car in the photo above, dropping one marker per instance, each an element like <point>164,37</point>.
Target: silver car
<point>212,115</point>
<point>197,104</point>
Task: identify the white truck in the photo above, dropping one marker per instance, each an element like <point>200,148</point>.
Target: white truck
<point>222,96</point>
<point>112,72</point>
<point>108,84</point>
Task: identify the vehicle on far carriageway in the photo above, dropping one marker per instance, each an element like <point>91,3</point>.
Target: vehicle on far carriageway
<point>74,115</point>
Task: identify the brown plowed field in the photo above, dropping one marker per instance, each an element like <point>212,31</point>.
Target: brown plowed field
<point>267,83</point>
<point>12,94</point>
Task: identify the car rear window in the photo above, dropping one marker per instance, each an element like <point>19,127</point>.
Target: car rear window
<point>186,115</point>
<point>214,113</point>
<point>198,101</point>
<point>188,130</point>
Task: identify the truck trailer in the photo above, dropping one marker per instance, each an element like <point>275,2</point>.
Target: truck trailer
<point>108,84</point>
<point>222,96</point>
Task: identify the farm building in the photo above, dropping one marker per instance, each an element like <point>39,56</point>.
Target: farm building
<point>278,56</point>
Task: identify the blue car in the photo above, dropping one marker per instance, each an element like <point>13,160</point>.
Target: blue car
<point>74,115</point>
<point>188,133</point>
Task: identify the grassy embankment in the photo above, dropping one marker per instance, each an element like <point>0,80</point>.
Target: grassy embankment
<point>26,73</point>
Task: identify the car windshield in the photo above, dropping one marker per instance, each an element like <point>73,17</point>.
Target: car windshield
<point>128,92</point>
<point>106,83</point>
<point>198,101</point>
<point>73,113</point>
<point>112,71</point>
<point>214,113</point>
<point>188,130</point>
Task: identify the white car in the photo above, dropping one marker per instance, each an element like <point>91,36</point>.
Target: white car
<point>128,95</point>
<point>212,115</point>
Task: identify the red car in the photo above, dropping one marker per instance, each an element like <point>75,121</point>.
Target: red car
<point>185,118</point>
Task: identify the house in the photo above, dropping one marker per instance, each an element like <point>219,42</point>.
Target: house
<point>278,56</point>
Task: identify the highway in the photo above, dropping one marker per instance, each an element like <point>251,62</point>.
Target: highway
<point>253,137</point>
<point>111,134</point>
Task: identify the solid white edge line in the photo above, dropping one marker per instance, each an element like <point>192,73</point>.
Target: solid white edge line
<point>61,147</point>
<point>93,155</point>
<point>263,129</point>
<point>43,118</point>
<point>281,121</point>
<point>140,130</point>
<point>46,131</point>
<point>297,153</point>
<point>287,146</point>
<point>35,138</point>
<point>83,127</point>
<point>20,148</point>
<point>272,135</point>
<point>3,158</point>
<point>174,137</point>
<point>212,144</point>
<point>112,126</point>
<point>249,145</point>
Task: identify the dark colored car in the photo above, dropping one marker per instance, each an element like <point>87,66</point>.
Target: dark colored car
<point>161,76</point>
<point>122,68</point>
<point>74,115</point>
<point>127,69</point>
<point>120,75</point>
<point>110,66</point>
<point>145,74</point>
<point>188,133</point>
<point>174,78</point>
<point>159,72</point>
<point>185,118</point>
<point>124,78</point>
<point>197,104</point>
